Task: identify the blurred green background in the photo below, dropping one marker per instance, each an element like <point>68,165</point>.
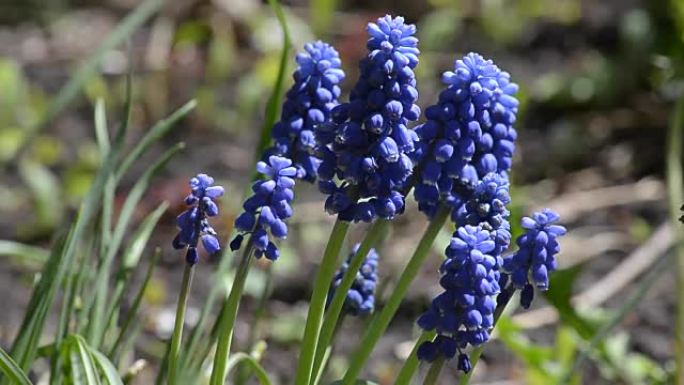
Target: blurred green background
<point>598,84</point>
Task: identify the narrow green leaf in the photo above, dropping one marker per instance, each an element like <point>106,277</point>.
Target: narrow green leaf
<point>26,253</point>
<point>358,382</point>
<point>70,90</point>
<point>276,98</point>
<point>154,134</point>
<point>26,342</point>
<point>96,328</point>
<point>11,370</point>
<point>136,247</point>
<point>131,258</point>
<point>246,359</point>
<point>130,316</point>
<point>82,368</point>
<point>109,372</point>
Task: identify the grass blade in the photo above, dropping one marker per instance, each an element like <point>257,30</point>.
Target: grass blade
<point>26,342</point>
<point>125,326</point>
<point>246,359</point>
<point>109,372</point>
<point>96,327</point>
<point>131,258</point>
<point>154,134</point>
<point>276,98</point>
<point>81,365</point>
<point>11,370</point>
<point>26,253</point>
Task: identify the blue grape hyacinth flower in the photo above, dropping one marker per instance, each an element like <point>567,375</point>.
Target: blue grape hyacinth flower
<point>468,134</point>
<point>366,145</point>
<point>486,207</point>
<point>535,258</point>
<point>361,296</point>
<point>268,208</point>
<point>464,312</point>
<point>308,103</point>
<point>193,223</point>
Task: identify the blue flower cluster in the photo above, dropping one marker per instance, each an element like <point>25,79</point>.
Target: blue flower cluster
<point>308,103</point>
<point>366,145</point>
<point>193,224</point>
<point>361,296</point>
<point>535,258</point>
<point>268,208</point>
<point>465,153</point>
<point>486,207</point>
<point>464,312</point>
<point>469,132</point>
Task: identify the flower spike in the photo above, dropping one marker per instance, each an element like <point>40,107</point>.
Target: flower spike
<point>366,145</point>
<point>193,223</point>
<point>308,103</point>
<point>269,207</point>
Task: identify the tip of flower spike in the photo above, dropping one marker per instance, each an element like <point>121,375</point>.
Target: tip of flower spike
<point>193,223</point>
<point>535,259</point>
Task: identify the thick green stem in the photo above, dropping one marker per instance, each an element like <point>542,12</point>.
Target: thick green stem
<point>408,370</point>
<point>675,184</point>
<point>314,319</point>
<point>177,336</point>
<point>376,329</point>
<point>228,316</point>
<point>435,370</point>
<point>372,237</point>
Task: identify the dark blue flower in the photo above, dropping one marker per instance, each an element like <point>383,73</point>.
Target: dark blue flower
<point>468,134</point>
<point>307,104</point>
<point>366,145</point>
<point>361,296</point>
<point>464,312</point>
<point>193,223</point>
<point>268,208</point>
<point>535,258</point>
<point>486,207</point>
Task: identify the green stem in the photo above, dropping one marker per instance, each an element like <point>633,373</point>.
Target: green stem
<point>243,372</point>
<point>435,370</point>
<point>376,329</point>
<point>502,301</point>
<point>675,184</point>
<point>318,372</point>
<point>314,319</point>
<point>229,315</point>
<point>408,370</point>
<point>177,336</point>
<point>372,237</point>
